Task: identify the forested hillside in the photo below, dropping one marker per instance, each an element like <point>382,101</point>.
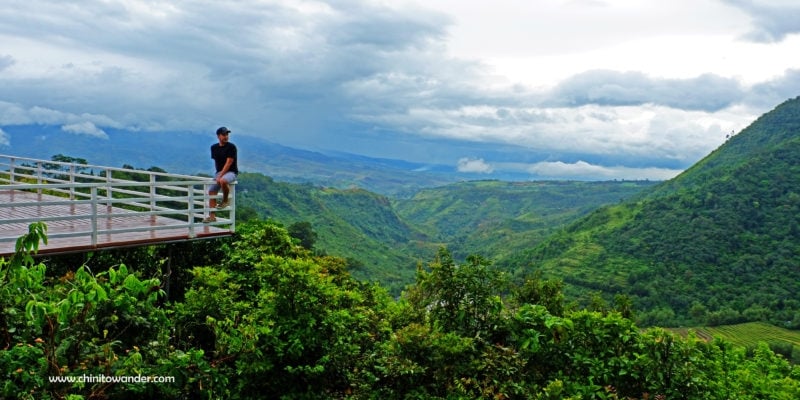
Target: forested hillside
<point>384,239</point>
<point>501,219</point>
<point>718,244</point>
<point>350,223</point>
<point>262,317</point>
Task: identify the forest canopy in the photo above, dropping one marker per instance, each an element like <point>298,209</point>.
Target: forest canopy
<point>260,316</point>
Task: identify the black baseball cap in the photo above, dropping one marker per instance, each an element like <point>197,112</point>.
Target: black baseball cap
<point>223,130</point>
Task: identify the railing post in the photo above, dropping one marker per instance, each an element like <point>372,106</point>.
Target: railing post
<point>191,211</point>
<point>206,198</point>
<point>152,197</point>
<point>72,182</point>
<point>11,170</point>
<point>233,207</point>
<point>94,216</point>
<point>109,192</point>
<point>39,176</point>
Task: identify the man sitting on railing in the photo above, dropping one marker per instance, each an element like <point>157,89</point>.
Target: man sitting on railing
<point>224,155</point>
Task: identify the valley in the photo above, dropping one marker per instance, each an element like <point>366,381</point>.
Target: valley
<point>717,245</point>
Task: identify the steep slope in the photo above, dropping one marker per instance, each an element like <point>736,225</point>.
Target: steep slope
<point>718,244</point>
<point>496,219</point>
<point>769,132</point>
<point>351,223</point>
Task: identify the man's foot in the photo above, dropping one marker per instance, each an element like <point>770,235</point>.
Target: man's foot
<point>207,220</point>
<point>222,205</point>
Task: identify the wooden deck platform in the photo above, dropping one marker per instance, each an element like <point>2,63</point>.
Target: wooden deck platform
<point>70,225</point>
<point>91,207</point>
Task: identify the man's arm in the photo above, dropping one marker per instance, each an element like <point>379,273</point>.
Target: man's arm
<point>226,168</point>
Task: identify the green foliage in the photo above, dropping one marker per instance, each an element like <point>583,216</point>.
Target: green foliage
<point>353,224</point>
<point>76,161</point>
<point>28,244</point>
<point>85,325</point>
<point>547,293</point>
<point>274,309</point>
<point>304,232</point>
<point>274,320</point>
<point>460,298</point>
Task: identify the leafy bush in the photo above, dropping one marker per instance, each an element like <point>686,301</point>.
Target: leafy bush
<point>275,321</point>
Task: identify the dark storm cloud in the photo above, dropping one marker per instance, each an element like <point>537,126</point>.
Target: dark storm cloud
<point>256,60</point>
<point>6,61</point>
<point>370,77</point>
<point>772,21</point>
<point>767,95</point>
<point>707,92</point>
<point>384,30</point>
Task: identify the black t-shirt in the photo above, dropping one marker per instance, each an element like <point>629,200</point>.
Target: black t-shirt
<point>220,154</point>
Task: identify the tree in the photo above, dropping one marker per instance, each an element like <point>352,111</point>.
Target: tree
<point>77,162</point>
<point>270,319</point>
<point>304,232</point>
<point>461,298</point>
<point>536,290</point>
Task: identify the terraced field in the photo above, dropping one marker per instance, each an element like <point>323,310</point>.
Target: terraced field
<point>747,334</point>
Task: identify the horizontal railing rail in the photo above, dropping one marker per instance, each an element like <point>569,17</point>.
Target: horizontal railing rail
<point>105,193</point>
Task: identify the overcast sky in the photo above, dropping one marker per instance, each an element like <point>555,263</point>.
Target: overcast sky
<point>557,88</point>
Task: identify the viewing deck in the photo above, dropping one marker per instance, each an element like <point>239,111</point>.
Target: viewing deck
<point>89,207</point>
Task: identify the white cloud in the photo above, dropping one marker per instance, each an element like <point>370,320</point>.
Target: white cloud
<point>664,135</point>
<point>582,170</point>
<point>16,114</point>
<point>85,128</point>
<point>707,92</point>
<point>474,165</point>
<point>4,141</point>
<point>547,42</point>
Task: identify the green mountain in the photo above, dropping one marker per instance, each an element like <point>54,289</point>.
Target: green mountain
<point>718,244</point>
<point>501,219</point>
<point>385,239</point>
<point>352,223</point>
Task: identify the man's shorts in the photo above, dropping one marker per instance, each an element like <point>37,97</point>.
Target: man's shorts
<point>229,177</point>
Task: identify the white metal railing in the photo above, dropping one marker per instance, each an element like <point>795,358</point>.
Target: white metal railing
<point>110,192</point>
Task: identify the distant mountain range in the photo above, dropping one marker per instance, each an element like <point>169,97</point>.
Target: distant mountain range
<point>188,153</point>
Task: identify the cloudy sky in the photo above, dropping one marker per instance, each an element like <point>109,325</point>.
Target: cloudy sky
<point>583,89</point>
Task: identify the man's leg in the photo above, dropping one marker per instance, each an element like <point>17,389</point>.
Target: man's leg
<point>224,184</point>
<point>212,203</point>
<point>226,190</point>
